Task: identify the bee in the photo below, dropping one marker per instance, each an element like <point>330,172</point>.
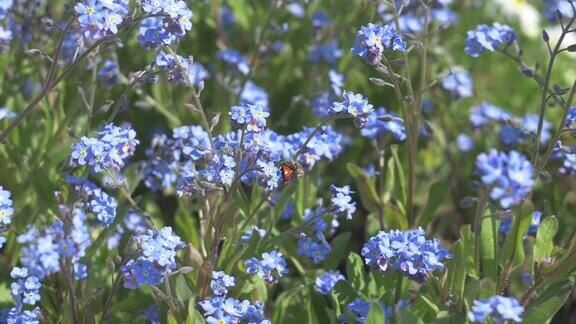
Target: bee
<point>289,169</point>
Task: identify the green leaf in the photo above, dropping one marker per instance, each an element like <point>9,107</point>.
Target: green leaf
<point>513,247</point>
<point>544,244</point>
<point>376,314</point>
<point>366,187</point>
<point>355,271</point>
<point>487,288</point>
<point>488,248</point>
<point>338,244</point>
<point>546,305</point>
<point>401,178</point>
<point>406,316</point>
<point>436,195</point>
<point>468,251</point>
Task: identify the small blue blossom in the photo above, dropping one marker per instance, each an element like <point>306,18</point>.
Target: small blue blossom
<point>251,231</point>
<point>328,53</point>
<point>221,282</point>
<point>230,310</point>
<point>500,309</point>
<point>234,58</point>
<point>320,20</point>
<point>536,218</point>
<point>109,74</point>
<point>381,123</point>
<point>270,268</point>
<point>459,83</point>
<point>485,37</point>
<point>373,40</point>
<point>342,202</point>
<point>465,143</point>
<point>509,175</point>
<point>354,105</point>
<point>326,282</point>
<point>252,117</point>
<point>252,94</point>
<point>486,112</point>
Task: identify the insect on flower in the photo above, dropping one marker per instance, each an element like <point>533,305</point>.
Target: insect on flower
<point>290,169</point>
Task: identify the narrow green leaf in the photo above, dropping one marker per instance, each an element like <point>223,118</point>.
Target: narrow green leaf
<point>338,244</point>
<point>546,305</point>
<point>400,176</point>
<point>488,249</point>
<point>544,244</point>
<point>376,314</point>
<point>406,316</point>
<point>355,271</point>
<point>468,251</point>
<point>436,195</point>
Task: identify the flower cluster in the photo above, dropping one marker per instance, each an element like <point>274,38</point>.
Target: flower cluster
<point>44,248</point>
<point>270,268</point>
<point>553,7</point>
<point>373,40</point>
<point>108,151</point>
<point>359,309</point>
<point>133,223</point>
<point>326,282</point>
<point>158,251</point>
<point>481,115</point>
<point>459,83</point>
<point>252,94</point>
<point>354,105</point>
<point>180,70</point>
<point>316,249</point>
<point>6,212</point>
<point>485,37</point>
<point>328,53</point>
<point>510,176</point>
<point>25,290</point>
<point>498,308</point>
<point>407,251</point>
<point>94,200</point>
<point>234,58</point>
<point>232,310</point>
<point>381,123</point>
<point>527,126</point>
<point>109,74</point>
<point>221,282</point>
<point>100,18</point>
<point>341,201</point>
<point>249,117</point>
<point>172,21</point>
<point>412,16</point>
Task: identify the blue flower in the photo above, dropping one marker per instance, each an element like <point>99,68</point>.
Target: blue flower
<point>354,105</point>
<point>328,53</point>
<point>270,268</point>
<point>459,83</point>
<point>373,40</point>
<point>230,310</point>
<point>406,251</point>
<point>342,202</point>
<point>485,37</point>
<point>252,117</point>
<point>251,231</point>
<point>320,20</point>
<point>486,112</point>
<point>252,94</point>
<point>536,217</point>
<point>221,282</point>
<point>381,123</point>
<point>234,58</point>
<point>326,282</point>
<point>509,175</point>
<point>109,74</point>
<point>551,7</point>
<point>500,309</point>
<point>571,118</point>
<point>465,143</point>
